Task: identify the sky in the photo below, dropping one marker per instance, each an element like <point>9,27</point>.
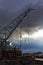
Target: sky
<point>9,9</point>
<point>31,27</point>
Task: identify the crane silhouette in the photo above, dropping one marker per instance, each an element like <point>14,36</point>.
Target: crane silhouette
<point>10,28</point>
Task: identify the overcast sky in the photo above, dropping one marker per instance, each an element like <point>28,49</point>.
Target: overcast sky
<point>9,9</point>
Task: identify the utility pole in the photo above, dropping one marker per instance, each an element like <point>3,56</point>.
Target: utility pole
<point>5,36</point>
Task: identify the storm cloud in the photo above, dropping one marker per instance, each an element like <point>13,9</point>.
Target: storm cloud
<point>9,9</point>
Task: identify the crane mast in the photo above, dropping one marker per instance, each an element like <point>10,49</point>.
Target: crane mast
<point>10,28</point>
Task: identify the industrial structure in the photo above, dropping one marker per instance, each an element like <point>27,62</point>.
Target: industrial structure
<point>10,28</point>
<point>5,34</point>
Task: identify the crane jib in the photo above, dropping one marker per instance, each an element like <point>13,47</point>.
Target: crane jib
<point>8,30</point>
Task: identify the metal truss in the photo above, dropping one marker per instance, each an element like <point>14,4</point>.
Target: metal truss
<point>10,28</point>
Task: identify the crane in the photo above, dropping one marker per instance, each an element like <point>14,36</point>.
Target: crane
<point>10,28</point>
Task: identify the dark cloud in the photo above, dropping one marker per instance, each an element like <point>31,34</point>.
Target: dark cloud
<point>9,9</point>
<point>32,22</point>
